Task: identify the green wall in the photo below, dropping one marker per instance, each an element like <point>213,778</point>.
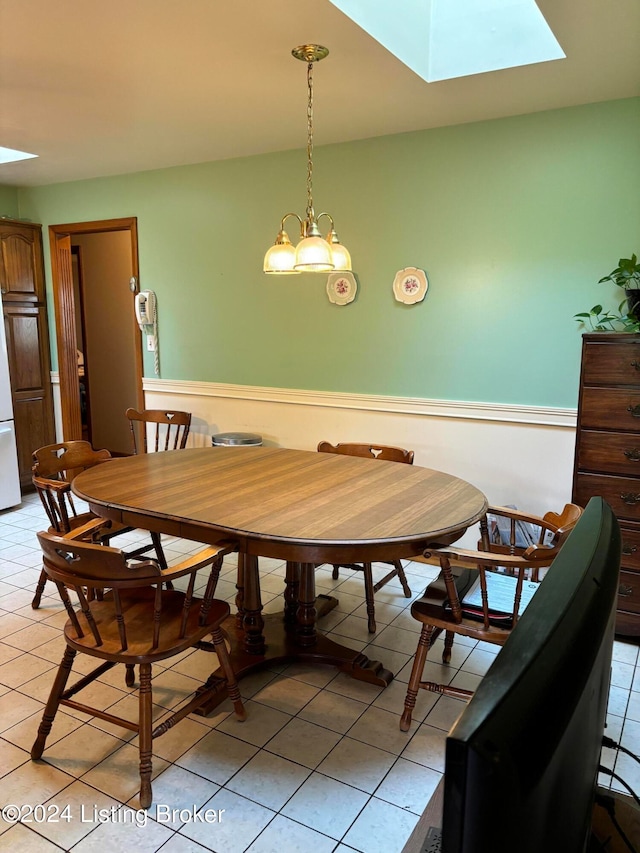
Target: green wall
<point>514,220</point>
<point>8,201</point>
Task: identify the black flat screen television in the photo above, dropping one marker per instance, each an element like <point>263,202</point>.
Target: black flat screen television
<point>522,760</point>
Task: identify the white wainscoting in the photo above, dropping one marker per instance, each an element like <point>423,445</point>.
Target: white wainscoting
<point>520,455</point>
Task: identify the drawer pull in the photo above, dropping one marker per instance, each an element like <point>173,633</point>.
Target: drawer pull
<point>631,498</point>
<point>632,455</point>
<point>627,550</point>
<point>635,410</point>
<point>636,365</point>
<point>625,590</point>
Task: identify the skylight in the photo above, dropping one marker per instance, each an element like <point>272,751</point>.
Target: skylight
<point>10,155</point>
<point>443,39</point>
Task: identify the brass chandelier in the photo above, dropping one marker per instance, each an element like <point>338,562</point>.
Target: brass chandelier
<point>313,252</point>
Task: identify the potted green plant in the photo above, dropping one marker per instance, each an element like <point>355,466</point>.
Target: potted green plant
<point>627,276</point>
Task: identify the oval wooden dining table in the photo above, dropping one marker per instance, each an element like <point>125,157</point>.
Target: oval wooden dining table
<point>303,507</point>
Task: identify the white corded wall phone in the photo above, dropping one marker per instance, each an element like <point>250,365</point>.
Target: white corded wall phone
<point>147,318</point>
<point>145,308</point>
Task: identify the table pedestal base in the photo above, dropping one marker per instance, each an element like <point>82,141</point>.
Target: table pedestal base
<point>281,647</point>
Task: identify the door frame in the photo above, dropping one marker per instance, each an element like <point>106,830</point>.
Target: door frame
<point>65,313</point>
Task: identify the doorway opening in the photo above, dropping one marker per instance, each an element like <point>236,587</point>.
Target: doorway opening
<point>95,275</point>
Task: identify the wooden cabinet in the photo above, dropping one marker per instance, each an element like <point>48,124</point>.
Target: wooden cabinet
<point>21,269</point>
<point>607,460</point>
<point>25,319</point>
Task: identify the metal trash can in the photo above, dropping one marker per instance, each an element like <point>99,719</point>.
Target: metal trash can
<point>236,439</point>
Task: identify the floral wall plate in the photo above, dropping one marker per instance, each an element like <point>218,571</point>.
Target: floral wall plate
<point>410,285</point>
<point>341,288</point>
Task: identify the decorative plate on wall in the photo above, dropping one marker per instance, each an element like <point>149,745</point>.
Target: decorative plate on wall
<point>341,287</point>
<point>410,285</point>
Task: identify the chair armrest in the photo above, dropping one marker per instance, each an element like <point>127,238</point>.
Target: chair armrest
<point>61,486</point>
<point>516,515</point>
<point>198,561</point>
<point>539,554</point>
<point>431,558</point>
<point>534,557</point>
<point>92,526</point>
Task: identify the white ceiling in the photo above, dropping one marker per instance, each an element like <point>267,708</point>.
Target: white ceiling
<point>102,88</point>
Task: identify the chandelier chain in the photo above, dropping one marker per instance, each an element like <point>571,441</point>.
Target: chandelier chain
<point>313,252</point>
<point>310,213</point>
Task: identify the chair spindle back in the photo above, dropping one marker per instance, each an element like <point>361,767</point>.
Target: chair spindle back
<point>523,563</point>
<point>369,451</point>
<point>156,429</point>
<point>54,467</point>
<point>81,566</point>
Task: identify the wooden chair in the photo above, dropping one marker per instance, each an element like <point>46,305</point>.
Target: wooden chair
<point>54,468</point>
<point>388,454</point>
<point>443,606</point>
<point>158,429</point>
<point>137,623</point>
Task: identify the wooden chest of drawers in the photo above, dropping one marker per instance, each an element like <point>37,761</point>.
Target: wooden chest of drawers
<point>607,460</point>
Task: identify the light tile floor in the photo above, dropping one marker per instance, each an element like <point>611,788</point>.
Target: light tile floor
<point>319,764</point>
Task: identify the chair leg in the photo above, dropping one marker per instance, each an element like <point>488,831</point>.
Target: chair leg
<point>368,594</point>
<point>402,578</point>
<point>144,735</point>
<point>416,675</point>
<point>397,572</point>
<point>130,675</point>
<point>229,674</point>
<point>37,597</point>
<point>448,645</point>
<point>335,574</point>
<point>162,560</point>
<point>157,544</point>
<point>53,702</point>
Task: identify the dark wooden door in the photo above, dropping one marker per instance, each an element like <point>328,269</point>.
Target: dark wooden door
<point>21,271</point>
<point>28,350</point>
<point>27,332</point>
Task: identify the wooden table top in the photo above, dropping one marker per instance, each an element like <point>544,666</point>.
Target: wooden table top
<point>294,504</point>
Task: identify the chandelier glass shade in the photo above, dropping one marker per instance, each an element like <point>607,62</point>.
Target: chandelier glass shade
<point>313,252</point>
